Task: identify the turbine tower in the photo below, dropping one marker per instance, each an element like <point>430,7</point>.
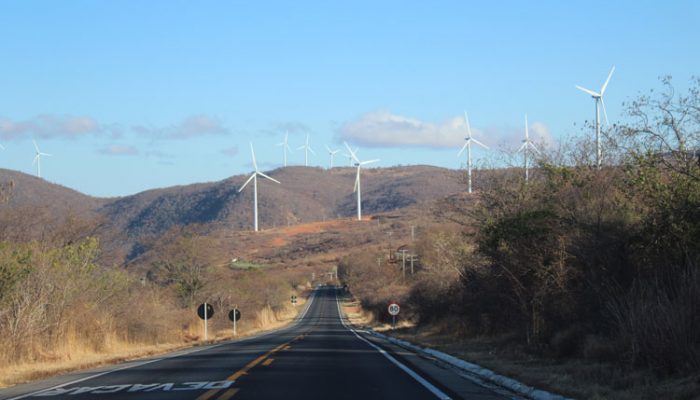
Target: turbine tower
<point>598,98</point>
<point>468,146</point>
<point>306,149</point>
<point>526,148</point>
<point>285,147</point>
<point>254,178</point>
<point>332,154</point>
<point>357,189</point>
<point>37,159</point>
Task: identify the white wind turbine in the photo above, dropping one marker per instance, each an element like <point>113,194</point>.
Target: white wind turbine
<point>285,147</point>
<point>468,146</point>
<point>254,178</point>
<point>332,153</point>
<point>357,189</point>
<point>37,159</point>
<point>349,156</point>
<point>598,98</point>
<point>526,148</point>
<point>306,149</point>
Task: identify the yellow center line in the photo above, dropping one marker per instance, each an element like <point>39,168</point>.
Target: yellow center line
<point>244,371</point>
<point>228,394</point>
<point>268,361</point>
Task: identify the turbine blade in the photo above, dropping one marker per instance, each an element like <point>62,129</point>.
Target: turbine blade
<point>265,176</point>
<point>252,152</point>
<point>463,148</point>
<point>2,147</point>
<point>522,147</point>
<point>246,182</point>
<point>352,153</point>
<point>35,158</point>
<point>301,147</point>
<point>592,93</point>
<point>605,85</point>
<point>605,113</point>
<point>534,148</point>
<point>369,162</point>
<point>357,179</point>
<point>480,144</point>
<point>469,129</point>
<point>527,131</point>
<point>312,151</point>
<point>46,154</point>
<point>35,146</point>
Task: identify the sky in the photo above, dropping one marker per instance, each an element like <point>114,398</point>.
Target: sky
<point>133,95</point>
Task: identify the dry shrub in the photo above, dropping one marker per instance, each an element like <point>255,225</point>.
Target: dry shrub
<point>658,323</point>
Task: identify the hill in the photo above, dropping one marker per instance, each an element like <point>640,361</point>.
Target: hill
<point>306,194</point>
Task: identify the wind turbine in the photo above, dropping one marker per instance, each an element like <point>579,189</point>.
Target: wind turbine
<point>598,98</point>
<point>306,149</point>
<point>357,189</point>
<point>349,156</point>
<point>254,178</point>
<point>526,148</point>
<point>285,147</point>
<point>468,145</point>
<point>332,154</point>
<point>37,159</point>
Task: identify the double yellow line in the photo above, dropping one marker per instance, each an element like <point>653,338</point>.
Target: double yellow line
<point>244,371</point>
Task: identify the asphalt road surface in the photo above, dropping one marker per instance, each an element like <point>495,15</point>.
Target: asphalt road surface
<point>317,357</point>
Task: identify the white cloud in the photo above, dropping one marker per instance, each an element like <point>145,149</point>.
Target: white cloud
<point>384,129</point>
<point>50,126</point>
<point>193,126</point>
<point>119,150</point>
<point>512,138</point>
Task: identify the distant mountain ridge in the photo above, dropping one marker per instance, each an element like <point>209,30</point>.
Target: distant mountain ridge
<point>306,194</point>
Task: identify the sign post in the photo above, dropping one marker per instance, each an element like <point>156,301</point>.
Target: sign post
<point>234,315</point>
<point>294,300</point>
<point>205,311</point>
<point>393,309</point>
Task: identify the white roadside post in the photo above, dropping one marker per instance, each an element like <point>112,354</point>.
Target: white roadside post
<point>205,322</point>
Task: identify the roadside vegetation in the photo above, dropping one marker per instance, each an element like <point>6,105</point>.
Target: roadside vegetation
<point>60,308</point>
<point>598,268</point>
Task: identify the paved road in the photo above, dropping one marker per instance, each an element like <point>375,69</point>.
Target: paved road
<point>318,357</point>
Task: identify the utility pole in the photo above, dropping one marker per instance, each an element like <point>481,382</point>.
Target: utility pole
<point>413,233</point>
<point>379,262</point>
<point>413,258</point>
<point>403,262</point>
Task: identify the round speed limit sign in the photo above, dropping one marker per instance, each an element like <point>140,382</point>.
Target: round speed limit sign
<point>394,309</point>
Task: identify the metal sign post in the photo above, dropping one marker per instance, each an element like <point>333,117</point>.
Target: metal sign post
<point>394,310</point>
<point>234,315</point>
<point>205,311</point>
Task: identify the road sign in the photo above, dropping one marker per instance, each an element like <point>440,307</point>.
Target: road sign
<point>209,310</point>
<point>234,315</point>
<point>394,309</point>
<point>294,299</point>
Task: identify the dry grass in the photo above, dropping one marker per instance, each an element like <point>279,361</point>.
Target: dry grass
<point>579,379</point>
<point>77,357</point>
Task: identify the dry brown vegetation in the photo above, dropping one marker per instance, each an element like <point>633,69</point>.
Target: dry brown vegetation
<point>584,269</point>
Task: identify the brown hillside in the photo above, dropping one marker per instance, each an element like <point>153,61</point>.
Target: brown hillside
<point>306,194</point>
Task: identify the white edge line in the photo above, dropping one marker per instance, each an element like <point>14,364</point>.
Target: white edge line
<point>434,390</point>
<point>308,305</point>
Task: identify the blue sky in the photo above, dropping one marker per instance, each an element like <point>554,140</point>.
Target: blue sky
<point>132,95</point>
